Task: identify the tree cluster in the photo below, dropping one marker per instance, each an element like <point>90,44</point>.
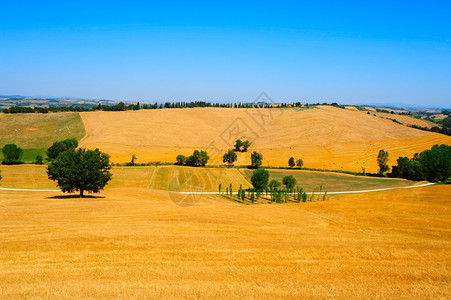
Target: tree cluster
<point>242,146</point>
<point>199,158</point>
<point>299,162</point>
<point>433,165</point>
<point>230,157</point>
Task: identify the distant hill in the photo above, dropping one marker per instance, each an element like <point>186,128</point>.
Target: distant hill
<point>7,101</point>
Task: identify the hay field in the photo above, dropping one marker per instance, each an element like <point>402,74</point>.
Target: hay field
<point>311,181</point>
<point>324,137</point>
<point>136,243</point>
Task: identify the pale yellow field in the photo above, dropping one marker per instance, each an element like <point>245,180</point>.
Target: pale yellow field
<point>136,243</point>
<point>324,137</point>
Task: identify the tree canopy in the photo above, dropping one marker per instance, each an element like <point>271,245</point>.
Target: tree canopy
<point>289,181</point>
<point>382,160</point>
<point>291,162</point>
<point>256,159</point>
<point>80,170</point>
<point>260,179</point>
<point>230,157</point>
<point>61,146</point>
<point>12,154</point>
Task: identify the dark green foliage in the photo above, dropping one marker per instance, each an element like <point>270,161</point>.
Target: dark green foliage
<point>289,181</point>
<point>1,174</point>
<point>245,145</point>
<point>436,163</point>
<point>256,159</point>
<point>38,160</point>
<point>299,163</point>
<point>408,168</point>
<point>291,162</point>
<point>181,160</point>
<point>432,165</point>
<point>382,160</point>
<point>133,159</point>
<point>61,146</point>
<point>238,145</point>
<point>199,158</point>
<point>260,179</point>
<point>12,154</point>
<point>230,157</point>
<point>274,184</point>
<point>252,197</point>
<point>219,188</point>
<point>80,170</point>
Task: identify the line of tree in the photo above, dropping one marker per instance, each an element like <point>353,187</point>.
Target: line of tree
<point>121,106</point>
<point>433,165</point>
<point>198,159</point>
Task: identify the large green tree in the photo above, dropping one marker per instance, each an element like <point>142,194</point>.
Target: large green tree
<point>80,170</point>
<point>291,162</point>
<point>12,154</point>
<point>260,179</point>
<point>436,163</point>
<point>256,159</point>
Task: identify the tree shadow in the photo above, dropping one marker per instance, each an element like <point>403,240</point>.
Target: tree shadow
<point>75,197</point>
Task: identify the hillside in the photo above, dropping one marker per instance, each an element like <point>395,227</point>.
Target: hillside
<point>324,137</point>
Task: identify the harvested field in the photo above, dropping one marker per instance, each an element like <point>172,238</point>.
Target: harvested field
<point>136,243</point>
<point>324,137</point>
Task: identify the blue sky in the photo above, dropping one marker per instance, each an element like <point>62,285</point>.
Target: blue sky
<point>345,51</point>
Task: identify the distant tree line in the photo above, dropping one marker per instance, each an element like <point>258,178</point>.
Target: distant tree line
<point>121,106</point>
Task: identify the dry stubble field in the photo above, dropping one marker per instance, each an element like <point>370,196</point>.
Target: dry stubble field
<point>136,243</point>
<point>324,137</point>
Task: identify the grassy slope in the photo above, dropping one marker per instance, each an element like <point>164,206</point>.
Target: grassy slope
<point>36,132</point>
<point>324,137</point>
<point>136,243</point>
<point>333,182</point>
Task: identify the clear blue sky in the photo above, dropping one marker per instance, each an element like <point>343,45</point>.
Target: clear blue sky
<point>345,51</point>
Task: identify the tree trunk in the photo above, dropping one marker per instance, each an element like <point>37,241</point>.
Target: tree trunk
<point>81,193</point>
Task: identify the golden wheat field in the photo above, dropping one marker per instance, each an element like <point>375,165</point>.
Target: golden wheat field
<point>324,137</point>
<point>137,243</point>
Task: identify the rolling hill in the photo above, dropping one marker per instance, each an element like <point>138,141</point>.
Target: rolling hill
<point>324,137</point>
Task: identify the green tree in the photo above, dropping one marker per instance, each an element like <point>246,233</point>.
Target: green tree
<point>289,181</point>
<point>238,145</point>
<point>436,163</point>
<point>80,170</point>
<point>230,157</point>
<point>382,160</point>
<point>38,160</point>
<point>246,144</point>
<point>274,184</point>
<point>12,154</point>
<point>61,146</point>
<point>299,163</point>
<point>260,179</point>
<point>181,160</point>
<point>256,159</point>
<point>291,162</point>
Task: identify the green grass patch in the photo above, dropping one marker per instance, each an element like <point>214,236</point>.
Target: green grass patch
<point>333,182</point>
<point>39,131</point>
